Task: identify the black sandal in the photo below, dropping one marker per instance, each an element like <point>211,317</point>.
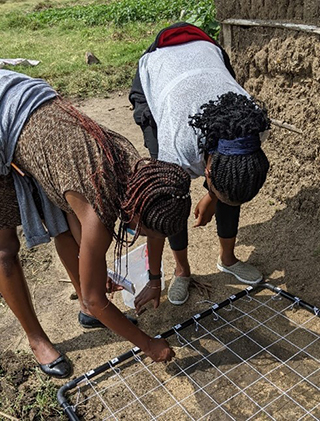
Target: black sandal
<point>60,368</point>
<point>90,322</point>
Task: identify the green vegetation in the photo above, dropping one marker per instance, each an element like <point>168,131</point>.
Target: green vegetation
<point>25,392</point>
<point>59,33</point>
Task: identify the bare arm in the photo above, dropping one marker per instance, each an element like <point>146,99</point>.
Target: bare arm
<point>95,241</point>
<point>153,289</point>
<point>205,209</point>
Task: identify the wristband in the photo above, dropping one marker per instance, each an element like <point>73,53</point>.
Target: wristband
<point>154,277</point>
<point>152,287</point>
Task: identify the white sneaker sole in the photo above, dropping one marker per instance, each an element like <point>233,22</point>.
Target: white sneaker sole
<point>178,303</point>
<point>245,281</point>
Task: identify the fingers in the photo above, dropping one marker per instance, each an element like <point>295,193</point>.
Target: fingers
<point>112,286</point>
<point>137,306</point>
<point>170,354</point>
<point>144,297</point>
<point>199,222</point>
<point>138,303</point>
<point>156,302</point>
<point>116,287</point>
<point>109,285</point>
<point>202,221</point>
<point>142,311</point>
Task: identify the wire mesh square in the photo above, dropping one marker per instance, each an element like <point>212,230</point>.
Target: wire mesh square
<point>252,358</point>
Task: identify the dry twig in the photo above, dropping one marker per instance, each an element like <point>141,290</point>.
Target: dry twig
<point>205,289</point>
<point>285,125</point>
<point>8,417</point>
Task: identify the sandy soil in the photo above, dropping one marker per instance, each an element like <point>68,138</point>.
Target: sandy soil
<point>279,233</point>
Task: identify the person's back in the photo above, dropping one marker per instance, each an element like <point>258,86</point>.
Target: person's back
<point>177,81</point>
<point>187,102</point>
<point>95,176</point>
<point>20,95</point>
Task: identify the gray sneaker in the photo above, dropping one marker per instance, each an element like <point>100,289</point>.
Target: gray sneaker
<point>244,272</point>
<point>178,291</point>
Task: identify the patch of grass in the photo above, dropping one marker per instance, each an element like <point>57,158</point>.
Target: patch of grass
<point>62,55</point>
<point>7,6</point>
<point>24,392</point>
<point>118,12</point>
<point>35,402</point>
<point>44,403</point>
<point>60,32</point>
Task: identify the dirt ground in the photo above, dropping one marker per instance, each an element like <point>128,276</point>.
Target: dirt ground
<point>279,233</point>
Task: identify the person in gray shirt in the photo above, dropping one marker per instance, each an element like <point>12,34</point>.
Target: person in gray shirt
<point>193,113</point>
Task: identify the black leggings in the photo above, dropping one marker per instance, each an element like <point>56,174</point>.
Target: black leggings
<point>227,217</point>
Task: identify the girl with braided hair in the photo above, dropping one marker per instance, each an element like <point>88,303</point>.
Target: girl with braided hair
<point>192,112</point>
<point>64,176</point>
<point>229,136</point>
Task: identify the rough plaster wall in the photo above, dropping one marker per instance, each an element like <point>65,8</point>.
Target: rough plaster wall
<point>283,70</point>
<point>307,11</point>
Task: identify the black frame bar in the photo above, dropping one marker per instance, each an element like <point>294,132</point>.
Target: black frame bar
<point>61,395</point>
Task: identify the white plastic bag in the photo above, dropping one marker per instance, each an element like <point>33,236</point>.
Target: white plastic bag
<point>138,265</point>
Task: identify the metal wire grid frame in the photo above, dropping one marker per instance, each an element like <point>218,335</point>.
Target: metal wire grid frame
<point>251,357</point>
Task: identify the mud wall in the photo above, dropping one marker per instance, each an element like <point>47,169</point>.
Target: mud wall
<point>304,11</point>
<point>282,68</point>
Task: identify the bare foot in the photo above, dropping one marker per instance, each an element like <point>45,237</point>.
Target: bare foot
<point>43,350</point>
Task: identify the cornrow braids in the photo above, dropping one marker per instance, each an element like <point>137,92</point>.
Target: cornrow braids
<point>158,193</point>
<point>112,168</point>
<point>233,116</point>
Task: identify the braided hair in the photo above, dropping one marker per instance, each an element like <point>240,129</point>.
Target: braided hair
<point>159,193</point>
<point>232,116</point>
<point>156,191</point>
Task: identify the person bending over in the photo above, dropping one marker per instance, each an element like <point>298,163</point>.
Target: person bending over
<point>189,106</point>
<point>64,176</point>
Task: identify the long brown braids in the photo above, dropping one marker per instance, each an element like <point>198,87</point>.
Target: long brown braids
<point>159,193</point>
<point>156,191</point>
<point>114,168</point>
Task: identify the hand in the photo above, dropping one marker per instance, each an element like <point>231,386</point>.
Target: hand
<point>159,350</point>
<point>152,291</point>
<point>112,286</point>
<point>205,210</point>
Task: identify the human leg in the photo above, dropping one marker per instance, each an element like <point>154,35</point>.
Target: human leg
<point>178,291</point>
<point>227,218</point>
<point>14,288</point>
<point>15,291</point>
<point>68,251</point>
<point>179,247</point>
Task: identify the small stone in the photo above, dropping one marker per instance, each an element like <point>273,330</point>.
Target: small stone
<point>91,58</point>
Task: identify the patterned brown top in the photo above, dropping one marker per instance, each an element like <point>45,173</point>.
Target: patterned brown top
<point>63,156</point>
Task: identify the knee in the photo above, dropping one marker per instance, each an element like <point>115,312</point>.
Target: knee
<point>63,240</point>
<point>9,247</point>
